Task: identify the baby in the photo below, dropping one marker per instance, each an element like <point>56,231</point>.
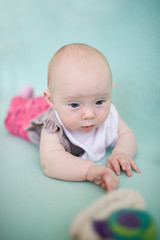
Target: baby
<point>75,121</point>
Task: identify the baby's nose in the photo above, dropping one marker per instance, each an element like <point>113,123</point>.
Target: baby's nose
<point>88,114</point>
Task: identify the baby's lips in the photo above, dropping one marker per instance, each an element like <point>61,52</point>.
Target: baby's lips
<point>88,128</point>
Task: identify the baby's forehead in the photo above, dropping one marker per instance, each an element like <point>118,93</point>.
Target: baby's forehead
<point>77,52</point>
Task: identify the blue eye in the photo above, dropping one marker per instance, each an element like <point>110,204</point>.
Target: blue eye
<point>99,102</point>
<point>74,105</point>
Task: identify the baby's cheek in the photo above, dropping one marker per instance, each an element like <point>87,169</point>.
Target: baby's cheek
<point>70,122</point>
<point>101,117</point>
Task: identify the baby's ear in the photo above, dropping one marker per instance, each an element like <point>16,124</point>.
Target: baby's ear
<point>48,97</point>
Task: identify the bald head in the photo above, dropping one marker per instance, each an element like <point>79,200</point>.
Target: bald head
<point>76,52</point>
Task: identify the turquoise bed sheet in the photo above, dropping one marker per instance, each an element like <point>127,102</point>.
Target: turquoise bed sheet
<point>33,206</point>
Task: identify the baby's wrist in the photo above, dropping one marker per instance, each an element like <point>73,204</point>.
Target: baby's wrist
<point>119,152</point>
<point>87,176</point>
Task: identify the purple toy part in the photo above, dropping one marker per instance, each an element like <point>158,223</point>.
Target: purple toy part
<point>129,220</point>
<point>102,228</point>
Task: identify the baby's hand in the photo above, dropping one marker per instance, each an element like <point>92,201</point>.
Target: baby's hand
<point>102,176</point>
<point>117,160</point>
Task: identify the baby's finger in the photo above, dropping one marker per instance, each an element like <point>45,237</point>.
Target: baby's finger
<point>126,167</point>
<point>110,183</point>
<point>109,165</point>
<point>109,186</point>
<point>103,185</point>
<point>129,171</point>
<point>116,167</point>
<point>123,164</point>
<point>134,166</point>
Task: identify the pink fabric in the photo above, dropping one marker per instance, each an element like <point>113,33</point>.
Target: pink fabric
<point>21,111</point>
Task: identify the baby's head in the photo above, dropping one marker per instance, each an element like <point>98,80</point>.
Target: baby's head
<point>79,86</point>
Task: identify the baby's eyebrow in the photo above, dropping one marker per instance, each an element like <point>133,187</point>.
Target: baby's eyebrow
<point>71,97</point>
<point>99,95</point>
<point>104,95</point>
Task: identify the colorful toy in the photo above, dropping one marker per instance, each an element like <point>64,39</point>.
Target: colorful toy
<point>119,215</point>
<point>126,224</point>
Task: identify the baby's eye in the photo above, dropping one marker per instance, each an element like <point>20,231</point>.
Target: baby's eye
<point>100,102</point>
<point>74,105</point>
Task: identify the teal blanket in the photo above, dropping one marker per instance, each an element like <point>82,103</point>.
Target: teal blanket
<point>33,206</point>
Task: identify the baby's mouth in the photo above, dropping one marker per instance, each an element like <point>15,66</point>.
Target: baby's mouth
<point>87,128</point>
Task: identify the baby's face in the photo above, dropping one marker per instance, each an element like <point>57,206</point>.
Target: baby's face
<point>82,93</point>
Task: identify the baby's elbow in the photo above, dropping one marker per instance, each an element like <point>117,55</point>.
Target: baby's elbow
<point>45,166</point>
<point>48,171</point>
<point>45,170</point>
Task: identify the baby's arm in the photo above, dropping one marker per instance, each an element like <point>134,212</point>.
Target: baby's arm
<point>124,151</point>
<point>57,163</point>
